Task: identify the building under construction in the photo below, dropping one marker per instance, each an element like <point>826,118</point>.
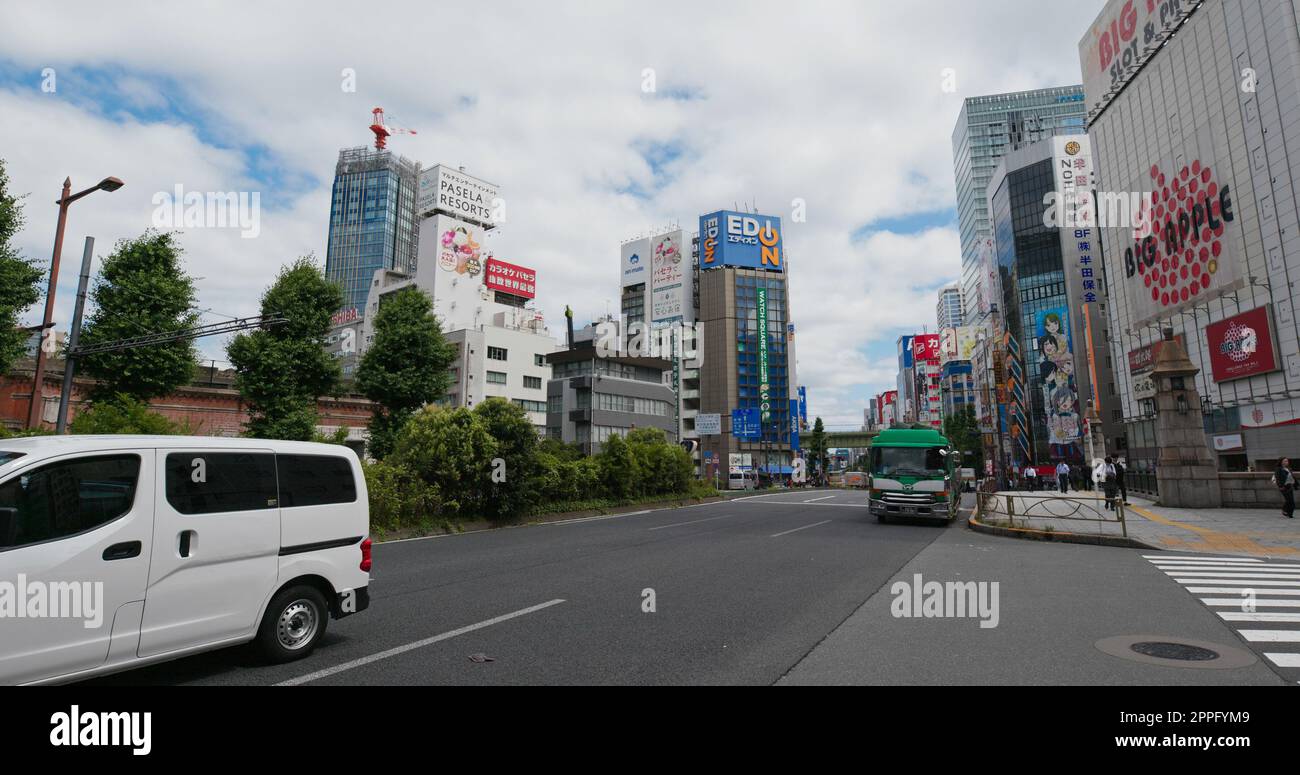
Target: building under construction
<point>372,220</point>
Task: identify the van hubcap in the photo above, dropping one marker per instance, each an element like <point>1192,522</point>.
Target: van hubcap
<point>297,625</point>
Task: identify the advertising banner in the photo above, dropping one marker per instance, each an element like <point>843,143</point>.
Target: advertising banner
<point>1125,34</point>
<point>764,385</point>
<point>635,262</point>
<point>905,352</point>
<point>1143,359</point>
<point>1242,345</point>
<point>510,278</point>
<point>749,240</point>
<point>1076,216</point>
<point>925,348</point>
<point>671,279</point>
<point>456,194</point>
<point>957,344</point>
<point>794,424</point>
<point>1193,251</point>
<point>1055,371</point>
<point>803,406</point>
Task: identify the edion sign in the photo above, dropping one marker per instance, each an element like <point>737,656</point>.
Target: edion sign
<point>509,278</point>
<point>1242,345</point>
<point>740,239</point>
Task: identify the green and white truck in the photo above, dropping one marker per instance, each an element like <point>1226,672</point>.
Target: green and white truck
<point>914,473</point>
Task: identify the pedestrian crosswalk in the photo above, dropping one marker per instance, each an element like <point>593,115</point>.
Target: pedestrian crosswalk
<point>1259,598</point>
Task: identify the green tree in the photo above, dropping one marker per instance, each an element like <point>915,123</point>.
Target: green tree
<point>405,367</point>
<point>817,452</point>
<point>517,443</point>
<point>452,451</point>
<point>963,432</point>
<point>664,468</point>
<point>123,414</point>
<point>619,473</point>
<point>282,370</point>
<point>141,289</point>
<point>19,278</point>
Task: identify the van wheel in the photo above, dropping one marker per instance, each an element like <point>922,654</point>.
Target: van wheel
<point>294,623</point>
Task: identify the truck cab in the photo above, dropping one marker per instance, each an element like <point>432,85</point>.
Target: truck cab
<point>913,474</point>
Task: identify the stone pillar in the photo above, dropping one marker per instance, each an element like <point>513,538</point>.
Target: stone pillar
<point>1187,474</point>
<point>1094,439</point>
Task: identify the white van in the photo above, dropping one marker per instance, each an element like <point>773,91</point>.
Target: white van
<point>122,551</point>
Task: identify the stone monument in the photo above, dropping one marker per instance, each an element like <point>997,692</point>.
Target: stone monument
<point>1185,470</point>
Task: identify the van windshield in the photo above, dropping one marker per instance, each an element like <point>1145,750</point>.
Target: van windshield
<point>907,461</point>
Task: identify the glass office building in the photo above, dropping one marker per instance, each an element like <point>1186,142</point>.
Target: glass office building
<point>987,128</point>
<point>1050,370</point>
<point>372,220</point>
<point>948,311</point>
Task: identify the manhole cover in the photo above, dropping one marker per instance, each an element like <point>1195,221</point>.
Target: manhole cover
<point>1166,650</point>
<point>1173,651</point>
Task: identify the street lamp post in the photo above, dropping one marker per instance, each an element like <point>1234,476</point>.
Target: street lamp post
<point>65,200</point>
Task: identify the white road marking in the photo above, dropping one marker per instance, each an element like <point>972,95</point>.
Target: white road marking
<point>825,498</point>
<point>1236,590</point>
<point>692,522</point>
<point>798,503</point>
<point>1240,582</point>
<point>1235,574</point>
<point>1229,566</point>
<point>1258,617</point>
<point>417,644</point>
<point>578,520</point>
<point>1236,602</point>
<point>797,529</point>
<point>1285,660</point>
<point>1158,557</point>
<point>1271,636</point>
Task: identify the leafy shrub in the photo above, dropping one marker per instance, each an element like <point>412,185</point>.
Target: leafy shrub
<point>123,414</point>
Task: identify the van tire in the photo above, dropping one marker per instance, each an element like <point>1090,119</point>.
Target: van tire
<point>294,623</point>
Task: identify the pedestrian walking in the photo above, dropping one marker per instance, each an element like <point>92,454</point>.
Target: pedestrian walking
<point>1063,476</point>
<point>1105,474</point>
<point>1031,478</point>
<point>1121,476</point>
<point>1284,481</point>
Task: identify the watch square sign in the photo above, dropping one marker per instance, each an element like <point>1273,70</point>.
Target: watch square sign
<point>1242,345</point>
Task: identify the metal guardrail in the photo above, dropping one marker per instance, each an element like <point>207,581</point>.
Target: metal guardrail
<point>1027,506</point>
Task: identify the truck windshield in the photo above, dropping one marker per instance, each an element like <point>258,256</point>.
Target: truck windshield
<point>907,461</point>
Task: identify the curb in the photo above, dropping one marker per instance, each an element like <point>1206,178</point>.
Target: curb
<point>1067,538</point>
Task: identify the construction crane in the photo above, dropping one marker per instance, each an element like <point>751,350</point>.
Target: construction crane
<point>383,131</point>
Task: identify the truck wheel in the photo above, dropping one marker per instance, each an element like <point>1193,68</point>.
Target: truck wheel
<point>881,518</point>
<point>294,623</point>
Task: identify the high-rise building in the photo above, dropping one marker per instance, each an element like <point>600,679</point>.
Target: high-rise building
<point>372,221</point>
<point>747,374</point>
<point>1196,104</point>
<point>948,312</point>
<point>987,128</point>
<point>1053,308</point>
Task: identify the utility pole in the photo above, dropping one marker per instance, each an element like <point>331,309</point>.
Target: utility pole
<point>74,336</point>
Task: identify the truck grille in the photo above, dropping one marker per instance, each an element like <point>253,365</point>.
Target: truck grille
<point>909,498</point>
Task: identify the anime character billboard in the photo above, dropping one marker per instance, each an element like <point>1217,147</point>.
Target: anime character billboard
<point>1056,375</point>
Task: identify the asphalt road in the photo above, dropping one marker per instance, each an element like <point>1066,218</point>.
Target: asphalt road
<point>791,588</point>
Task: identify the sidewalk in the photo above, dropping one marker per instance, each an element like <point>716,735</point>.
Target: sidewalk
<point>1252,532</point>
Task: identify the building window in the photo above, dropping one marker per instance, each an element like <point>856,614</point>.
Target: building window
<point>531,406</point>
<point>539,360</point>
<point>496,377</point>
<point>496,353</point>
<point>533,382</point>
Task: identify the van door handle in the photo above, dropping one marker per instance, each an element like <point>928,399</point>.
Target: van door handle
<point>186,536</point>
<point>123,551</point>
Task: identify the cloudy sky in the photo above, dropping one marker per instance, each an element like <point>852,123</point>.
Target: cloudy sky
<point>836,103</point>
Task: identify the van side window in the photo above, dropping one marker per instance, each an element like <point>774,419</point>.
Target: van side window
<point>203,482</point>
<point>315,480</point>
<point>66,498</point>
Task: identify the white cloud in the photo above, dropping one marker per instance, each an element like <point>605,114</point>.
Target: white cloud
<point>836,103</point>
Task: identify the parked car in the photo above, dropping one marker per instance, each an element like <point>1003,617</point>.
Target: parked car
<point>149,548</point>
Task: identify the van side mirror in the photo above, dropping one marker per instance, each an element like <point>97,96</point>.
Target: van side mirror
<point>8,527</point>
